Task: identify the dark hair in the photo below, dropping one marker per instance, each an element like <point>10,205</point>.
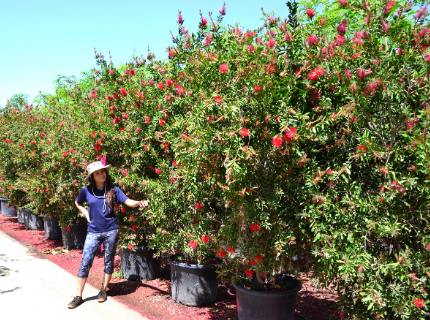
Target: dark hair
<point>110,192</point>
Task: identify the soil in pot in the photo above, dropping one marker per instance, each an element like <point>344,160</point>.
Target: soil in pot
<point>260,305</point>
<point>52,228</point>
<point>34,222</point>
<point>7,210</point>
<point>74,238</point>
<point>192,284</point>
<point>21,215</point>
<point>139,264</point>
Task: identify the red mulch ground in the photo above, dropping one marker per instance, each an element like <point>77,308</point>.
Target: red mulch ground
<point>152,298</point>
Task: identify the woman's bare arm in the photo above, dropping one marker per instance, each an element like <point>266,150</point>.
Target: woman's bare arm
<point>133,203</point>
<point>83,211</point>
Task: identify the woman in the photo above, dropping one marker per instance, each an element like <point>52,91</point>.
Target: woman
<point>101,197</point>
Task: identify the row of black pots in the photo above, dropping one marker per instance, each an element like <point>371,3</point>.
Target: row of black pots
<point>74,238</point>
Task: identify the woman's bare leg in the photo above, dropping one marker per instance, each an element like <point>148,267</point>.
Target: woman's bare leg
<point>106,280</point>
<point>81,285</point>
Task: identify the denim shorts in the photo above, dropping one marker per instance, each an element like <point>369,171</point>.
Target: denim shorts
<point>93,242</point>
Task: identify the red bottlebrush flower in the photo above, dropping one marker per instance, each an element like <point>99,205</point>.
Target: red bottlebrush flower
<point>277,142</point>
<point>125,116</point>
<point>199,206</point>
<point>313,39</point>
<point>231,249</point>
<point>255,227</point>
<point>116,205</point>
<point>171,54</point>
<point>123,91</point>
<point>93,134</point>
<point>33,142</point>
<point>252,262</point>
<point>158,171</point>
<point>131,217</point>
<point>343,3</point>
<point>244,132</point>
<point>72,160</point>
<point>421,14</point>
<point>134,227</point>
<point>218,99</point>
<point>361,148</point>
<point>123,210</point>
<point>388,7</point>
<point>221,254</point>
<point>160,86</point>
<point>180,19</point>
<point>288,37</point>
<point>169,82</point>
<point>131,246</point>
<point>341,29</point>
<point>257,89</point>
<point>316,73</point>
<point>310,13</point>
<point>203,22</point>
<point>362,73</point>
<point>43,134</point>
<point>271,43</point>
<point>175,163</point>
<point>223,68</point>
<point>138,130</point>
<point>250,48</point>
<point>111,71</point>
<point>205,238</point>
<point>271,69</point>
<point>290,134</point>
<point>258,258</point>
<point>193,244</point>
<point>419,303</point>
<point>132,72</point>
<point>65,154</point>
<point>385,27</point>
<point>21,145</point>
<point>121,129</point>
<point>222,11</point>
<point>180,90</point>
<point>161,122</point>
<point>249,273</point>
<point>147,118</point>
<point>124,173</point>
<point>68,228</point>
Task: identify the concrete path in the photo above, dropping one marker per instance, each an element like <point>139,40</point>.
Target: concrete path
<point>36,288</point>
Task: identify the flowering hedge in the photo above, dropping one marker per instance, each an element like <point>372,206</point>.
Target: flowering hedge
<point>302,143</point>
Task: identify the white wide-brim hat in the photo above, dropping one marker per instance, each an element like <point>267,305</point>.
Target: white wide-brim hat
<point>94,167</point>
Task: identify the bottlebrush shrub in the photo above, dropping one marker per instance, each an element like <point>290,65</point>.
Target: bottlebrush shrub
<point>272,148</point>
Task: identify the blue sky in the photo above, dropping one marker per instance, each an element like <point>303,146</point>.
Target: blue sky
<point>43,39</point>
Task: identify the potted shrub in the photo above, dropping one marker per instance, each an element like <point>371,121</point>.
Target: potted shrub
<point>139,258</point>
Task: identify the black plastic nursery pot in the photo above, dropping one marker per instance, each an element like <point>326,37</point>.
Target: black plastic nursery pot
<point>259,305</point>
<point>75,237</point>
<point>21,215</point>
<point>139,264</point>
<point>52,228</point>
<point>6,210</point>
<point>33,222</point>
<point>193,285</point>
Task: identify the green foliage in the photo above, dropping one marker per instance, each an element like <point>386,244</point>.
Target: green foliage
<point>302,144</point>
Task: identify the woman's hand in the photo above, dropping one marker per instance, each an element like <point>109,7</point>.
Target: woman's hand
<point>143,203</point>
